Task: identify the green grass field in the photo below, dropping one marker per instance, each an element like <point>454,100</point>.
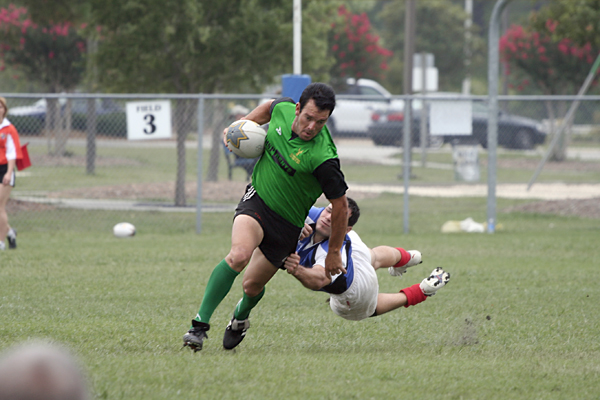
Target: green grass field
<point>520,318</point>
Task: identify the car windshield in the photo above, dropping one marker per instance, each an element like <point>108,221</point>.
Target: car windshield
<point>367,91</point>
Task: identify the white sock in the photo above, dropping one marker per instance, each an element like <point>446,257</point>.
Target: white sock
<point>2,246</point>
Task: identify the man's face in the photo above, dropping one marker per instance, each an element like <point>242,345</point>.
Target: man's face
<point>309,122</point>
<point>323,225</point>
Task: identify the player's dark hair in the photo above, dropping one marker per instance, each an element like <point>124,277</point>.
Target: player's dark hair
<point>354,212</point>
<point>321,93</point>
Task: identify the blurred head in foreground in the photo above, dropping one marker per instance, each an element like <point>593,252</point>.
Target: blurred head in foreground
<point>37,371</point>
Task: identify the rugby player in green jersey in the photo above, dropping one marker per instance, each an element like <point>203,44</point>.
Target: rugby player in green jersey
<point>299,164</point>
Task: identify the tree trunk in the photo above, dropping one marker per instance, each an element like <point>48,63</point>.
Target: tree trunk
<point>216,128</point>
<point>559,153</point>
<point>552,119</point>
<point>51,123</point>
<point>184,115</point>
<point>63,130</point>
<point>181,127</point>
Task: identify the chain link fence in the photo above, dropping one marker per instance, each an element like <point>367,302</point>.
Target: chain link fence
<point>449,131</point>
<point>82,158</point>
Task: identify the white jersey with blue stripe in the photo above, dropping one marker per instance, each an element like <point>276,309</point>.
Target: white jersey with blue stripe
<point>315,253</point>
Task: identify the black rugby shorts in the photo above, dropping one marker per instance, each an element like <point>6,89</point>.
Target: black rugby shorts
<point>3,169</point>
<point>280,235</point>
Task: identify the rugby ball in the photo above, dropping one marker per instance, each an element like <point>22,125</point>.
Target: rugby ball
<point>246,138</point>
<point>124,229</point>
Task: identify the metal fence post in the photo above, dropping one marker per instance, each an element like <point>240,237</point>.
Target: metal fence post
<point>492,133</point>
<point>406,157</point>
<point>199,166</point>
<point>91,126</point>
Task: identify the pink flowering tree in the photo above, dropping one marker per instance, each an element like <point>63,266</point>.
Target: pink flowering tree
<point>52,55</point>
<point>538,61</point>
<point>356,48</point>
<point>534,59</point>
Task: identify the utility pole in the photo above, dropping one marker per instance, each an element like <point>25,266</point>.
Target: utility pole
<point>504,76</point>
<point>466,86</point>
<point>297,37</point>
<point>409,49</point>
<point>424,112</point>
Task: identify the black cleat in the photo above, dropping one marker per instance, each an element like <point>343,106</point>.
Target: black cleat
<point>12,238</point>
<point>235,332</point>
<point>194,338</point>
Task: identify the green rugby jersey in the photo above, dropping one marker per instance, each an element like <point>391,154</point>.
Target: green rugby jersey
<point>283,176</point>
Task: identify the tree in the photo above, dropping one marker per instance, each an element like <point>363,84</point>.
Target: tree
<point>50,54</point>
<point>356,48</point>
<point>553,65</point>
<point>47,12</point>
<point>191,46</point>
<point>204,46</point>
<point>578,20</point>
<point>440,31</point>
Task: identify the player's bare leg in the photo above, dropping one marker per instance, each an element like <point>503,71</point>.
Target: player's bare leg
<point>396,259</point>
<point>4,195</point>
<point>387,302</point>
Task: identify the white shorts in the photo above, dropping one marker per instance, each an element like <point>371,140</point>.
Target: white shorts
<point>360,300</point>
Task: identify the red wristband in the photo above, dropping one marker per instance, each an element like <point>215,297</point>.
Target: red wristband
<point>404,257</point>
<point>414,295</point>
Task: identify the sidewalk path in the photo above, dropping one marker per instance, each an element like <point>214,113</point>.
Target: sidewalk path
<point>122,205</point>
<point>539,191</point>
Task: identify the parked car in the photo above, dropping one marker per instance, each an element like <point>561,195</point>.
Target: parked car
<point>28,119</point>
<point>36,109</point>
<point>514,131</point>
<point>110,116</point>
<point>352,115</point>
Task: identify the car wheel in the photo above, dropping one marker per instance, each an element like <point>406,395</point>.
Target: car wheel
<point>523,140</point>
<point>378,140</point>
<point>385,140</point>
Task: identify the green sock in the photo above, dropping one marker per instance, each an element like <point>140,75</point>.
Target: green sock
<point>218,286</point>
<point>245,305</point>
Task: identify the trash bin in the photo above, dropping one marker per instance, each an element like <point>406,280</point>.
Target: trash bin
<point>466,162</point>
<point>293,85</point>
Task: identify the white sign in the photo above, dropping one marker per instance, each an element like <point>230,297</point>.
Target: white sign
<point>431,81</point>
<point>451,117</point>
<point>148,120</point>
